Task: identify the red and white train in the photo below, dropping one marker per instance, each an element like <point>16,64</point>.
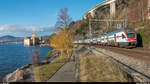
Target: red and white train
<point>125,37</point>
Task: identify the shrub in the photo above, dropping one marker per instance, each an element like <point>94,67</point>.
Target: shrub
<point>62,41</point>
<point>145,37</point>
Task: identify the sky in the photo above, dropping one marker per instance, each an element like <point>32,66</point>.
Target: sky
<point>23,17</point>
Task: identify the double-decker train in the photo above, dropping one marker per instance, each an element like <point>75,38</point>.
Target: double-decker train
<point>125,37</point>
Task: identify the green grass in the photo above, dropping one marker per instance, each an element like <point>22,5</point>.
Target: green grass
<point>43,73</point>
<point>53,52</point>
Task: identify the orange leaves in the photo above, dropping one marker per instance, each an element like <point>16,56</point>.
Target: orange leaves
<point>62,40</point>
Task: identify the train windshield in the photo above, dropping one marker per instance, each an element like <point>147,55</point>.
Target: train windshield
<point>130,32</point>
<point>131,35</point>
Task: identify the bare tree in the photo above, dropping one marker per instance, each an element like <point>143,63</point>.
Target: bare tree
<point>63,19</point>
<point>35,56</point>
<point>142,10</point>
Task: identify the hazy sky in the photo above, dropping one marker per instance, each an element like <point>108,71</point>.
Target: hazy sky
<point>22,17</point>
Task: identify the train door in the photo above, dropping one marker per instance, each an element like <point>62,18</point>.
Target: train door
<point>101,42</point>
<point>107,41</point>
<point>97,41</point>
<point>115,39</point>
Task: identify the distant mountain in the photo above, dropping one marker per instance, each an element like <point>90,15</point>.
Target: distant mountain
<point>9,38</point>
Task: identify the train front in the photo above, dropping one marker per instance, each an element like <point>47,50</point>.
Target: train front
<point>131,37</point>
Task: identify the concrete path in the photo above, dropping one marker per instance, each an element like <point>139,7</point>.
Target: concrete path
<point>65,74</point>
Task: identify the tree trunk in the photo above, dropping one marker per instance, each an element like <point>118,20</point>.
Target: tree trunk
<point>68,54</point>
<point>61,52</point>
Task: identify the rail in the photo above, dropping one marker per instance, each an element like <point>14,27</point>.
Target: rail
<point>136,74</point>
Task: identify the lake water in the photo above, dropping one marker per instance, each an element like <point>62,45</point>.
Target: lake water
<point>13,56</point>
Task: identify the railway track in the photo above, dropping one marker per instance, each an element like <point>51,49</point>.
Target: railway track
<point>138,74</point>
<point>135,62</point>
<point>137,53</point>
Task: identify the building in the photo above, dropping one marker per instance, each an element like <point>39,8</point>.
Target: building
<point>27,41</point>
<point>32,41</point>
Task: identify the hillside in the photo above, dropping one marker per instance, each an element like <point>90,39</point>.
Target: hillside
<point>135,11</point>
<point>10,38</point>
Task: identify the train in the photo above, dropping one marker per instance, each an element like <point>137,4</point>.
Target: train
<point>124,37</point>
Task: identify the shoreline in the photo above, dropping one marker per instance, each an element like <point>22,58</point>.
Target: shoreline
<point>22,68</point>
<point>18,63</point>
<point>10,75</point>
<point>25,72</point>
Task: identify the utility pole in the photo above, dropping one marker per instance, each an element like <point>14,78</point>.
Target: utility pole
<point>124,21</point>
<point>90,29</point>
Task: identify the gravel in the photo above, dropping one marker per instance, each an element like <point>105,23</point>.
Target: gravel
<point>141,66</point>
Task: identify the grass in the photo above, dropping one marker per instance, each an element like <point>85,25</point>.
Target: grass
<point>100,69</point>
<point>43,73</point>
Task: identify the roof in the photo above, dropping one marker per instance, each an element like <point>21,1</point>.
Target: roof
<point>27,37</point>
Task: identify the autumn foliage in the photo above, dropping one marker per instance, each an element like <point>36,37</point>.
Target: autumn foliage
<point>62,41</point>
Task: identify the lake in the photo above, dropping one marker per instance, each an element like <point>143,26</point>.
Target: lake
<point>13,56</point>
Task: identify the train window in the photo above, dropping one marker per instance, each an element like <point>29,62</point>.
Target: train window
<point>131,35</point>
<point>123,36</point>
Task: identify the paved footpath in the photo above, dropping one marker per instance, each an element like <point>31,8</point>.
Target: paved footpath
<point>65,74</point>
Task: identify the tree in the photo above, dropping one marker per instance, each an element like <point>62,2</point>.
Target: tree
<point>62,41</point>
<point>35,56</point>
<point>142,10</point>
<point>63,19</point>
